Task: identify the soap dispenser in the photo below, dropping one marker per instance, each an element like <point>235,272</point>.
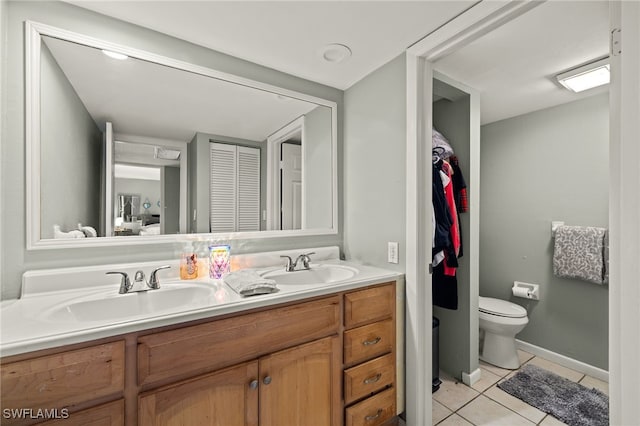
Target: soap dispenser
<point>189,263</point>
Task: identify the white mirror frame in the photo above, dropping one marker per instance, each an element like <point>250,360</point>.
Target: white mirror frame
<point>33,33</point>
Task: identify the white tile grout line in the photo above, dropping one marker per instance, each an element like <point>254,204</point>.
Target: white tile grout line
<point>482,393</point>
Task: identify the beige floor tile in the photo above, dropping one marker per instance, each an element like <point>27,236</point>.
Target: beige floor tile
<point>455,420</point>
<point>592,382</point>
<point>487,379</point>
<point>551,421</point>
<point>524,356</point>
<point>484,411</point>
<point>515,404</point>
<point>556,368</point>
<point>439,413</point>
<point>453,394</point>
<point>495,370</point>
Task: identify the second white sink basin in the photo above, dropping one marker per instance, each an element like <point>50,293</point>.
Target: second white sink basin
<point>318,274</point>
<point>114,306</point>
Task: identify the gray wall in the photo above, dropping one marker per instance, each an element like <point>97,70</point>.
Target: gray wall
<point>317,176</point>
<point>547,165</point>
<point>13,143</point>
<point>458,336</point>
<point>374,165</point>
<point>170,184</point>
<point>146,189</point>
<point>68,136</point>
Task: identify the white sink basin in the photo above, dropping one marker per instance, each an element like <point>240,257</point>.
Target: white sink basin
<point>113,306</point>
<point>318,274</point>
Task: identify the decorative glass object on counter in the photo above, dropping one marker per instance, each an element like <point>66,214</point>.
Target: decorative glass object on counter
<point>189,264</point>
<point>219,261</point>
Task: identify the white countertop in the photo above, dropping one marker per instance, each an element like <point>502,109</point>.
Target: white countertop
<point>25,326</point>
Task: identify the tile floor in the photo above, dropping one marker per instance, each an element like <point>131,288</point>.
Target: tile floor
<point>485,404</point>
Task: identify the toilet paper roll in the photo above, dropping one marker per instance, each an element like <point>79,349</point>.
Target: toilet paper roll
<point>521,292</point>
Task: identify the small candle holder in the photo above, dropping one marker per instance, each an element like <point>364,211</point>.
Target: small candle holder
<point>219,261</point>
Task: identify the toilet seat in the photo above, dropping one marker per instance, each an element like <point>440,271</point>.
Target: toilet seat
<point>501,308</point>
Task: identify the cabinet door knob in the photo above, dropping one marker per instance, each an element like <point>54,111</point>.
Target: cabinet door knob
<point>372,341</point>
<point>373,417</point>
<point>253,384</point>
<point>372,379</point>
<point>266,380</point>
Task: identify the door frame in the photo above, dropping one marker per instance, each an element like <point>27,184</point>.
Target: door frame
<point>624,201</point>
<point>274,141</point>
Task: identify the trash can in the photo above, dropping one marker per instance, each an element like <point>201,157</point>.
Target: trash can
<point>435,358</point>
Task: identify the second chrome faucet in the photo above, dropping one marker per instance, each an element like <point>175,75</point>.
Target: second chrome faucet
<point>290,266</point>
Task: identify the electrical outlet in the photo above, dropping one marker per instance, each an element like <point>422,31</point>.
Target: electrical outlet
<point>392,252</point>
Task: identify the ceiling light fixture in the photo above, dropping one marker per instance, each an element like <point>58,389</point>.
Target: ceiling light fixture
<point>586,77</point>
<point>165,154</point>
<point>115,55</point>
<point>335,53</point>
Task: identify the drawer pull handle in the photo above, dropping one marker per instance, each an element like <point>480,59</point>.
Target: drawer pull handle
<point>266,380</point>
<point>253,384</point>
<point>373,379</point>
<point>372,342</point>
<point>373,417</point>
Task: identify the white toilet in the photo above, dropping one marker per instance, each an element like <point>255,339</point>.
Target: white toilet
<point>500,321</point>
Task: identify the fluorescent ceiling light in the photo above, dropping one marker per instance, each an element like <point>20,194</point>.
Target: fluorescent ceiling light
<point>126,171</point>
<point>586,77</point>
<point>115,55</point>
<point>165,154</point>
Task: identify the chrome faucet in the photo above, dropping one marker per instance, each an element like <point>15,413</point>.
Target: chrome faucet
<point>125,282</point>
<point>154,282</point>
<point>291,265</point>
<point>305,259</point>
<point>126,285</point>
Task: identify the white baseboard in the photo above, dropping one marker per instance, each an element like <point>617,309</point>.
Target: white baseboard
<point>470,379</point>
<point>565,361</point>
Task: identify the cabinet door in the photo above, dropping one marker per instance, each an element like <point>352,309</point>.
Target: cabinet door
<point>301,386</point>
<point>224,398</point>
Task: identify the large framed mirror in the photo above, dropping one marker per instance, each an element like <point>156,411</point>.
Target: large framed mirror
<point>128,147</point>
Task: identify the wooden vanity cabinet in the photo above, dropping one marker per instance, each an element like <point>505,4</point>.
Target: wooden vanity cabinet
<point>369,377</point>
<point>319,362</point>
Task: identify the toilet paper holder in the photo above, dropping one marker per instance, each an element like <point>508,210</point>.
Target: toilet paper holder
<point>526,290</point>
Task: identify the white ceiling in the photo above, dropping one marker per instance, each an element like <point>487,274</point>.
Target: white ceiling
<point>514,66</point>
<point>146,99</point>
<point>289,35</point>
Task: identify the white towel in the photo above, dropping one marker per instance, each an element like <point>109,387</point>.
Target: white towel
<point>248,282</point>
<point>579,252</point>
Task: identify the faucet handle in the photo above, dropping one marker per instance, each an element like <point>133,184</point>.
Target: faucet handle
<point>154,283</point>
<point>290,265</point>
<point>306,259</point>
<point>125,282</point>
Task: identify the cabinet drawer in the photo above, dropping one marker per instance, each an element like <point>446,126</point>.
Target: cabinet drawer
<point>64,379</point>
<point>210,346</point>
<point>369,341</point>
<point>367,378</point>
<point>365,306</point>
<point>111,414</point>
<point>372,411</point>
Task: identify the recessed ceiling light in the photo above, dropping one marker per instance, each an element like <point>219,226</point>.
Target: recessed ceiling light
<point>586,76</point>
<point>115,55</point>
<point>335,53</point>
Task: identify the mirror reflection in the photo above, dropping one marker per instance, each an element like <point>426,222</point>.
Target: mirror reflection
<point>130,147</point>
